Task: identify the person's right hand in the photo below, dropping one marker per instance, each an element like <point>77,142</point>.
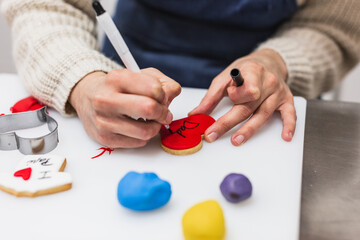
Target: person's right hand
<point>106,103</point>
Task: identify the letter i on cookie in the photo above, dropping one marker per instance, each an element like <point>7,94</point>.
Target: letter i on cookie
<point>37,175</point>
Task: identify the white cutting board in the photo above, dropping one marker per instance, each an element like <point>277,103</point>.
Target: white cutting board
<point>90,209</point>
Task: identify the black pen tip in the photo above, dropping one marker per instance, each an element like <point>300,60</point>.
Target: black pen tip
<point>235,72</point>
<point>98,8</point>
<point>236,76</point>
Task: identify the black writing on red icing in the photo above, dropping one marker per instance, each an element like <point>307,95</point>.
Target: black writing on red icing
<point>42,161</point>
<point>44,175</point>
<point>186,125</point>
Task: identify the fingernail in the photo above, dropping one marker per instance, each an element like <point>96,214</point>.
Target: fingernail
<point>212,136</point>
<point>239,140</point>
<point>169,117</point>
<point>290,135</point>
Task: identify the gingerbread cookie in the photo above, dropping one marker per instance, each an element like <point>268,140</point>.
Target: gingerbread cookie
<point>37,175</point>
<point>185,135</point>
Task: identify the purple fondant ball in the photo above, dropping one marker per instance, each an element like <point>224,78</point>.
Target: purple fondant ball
<point>236,187</point>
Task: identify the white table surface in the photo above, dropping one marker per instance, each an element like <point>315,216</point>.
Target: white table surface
<point>90,210</point>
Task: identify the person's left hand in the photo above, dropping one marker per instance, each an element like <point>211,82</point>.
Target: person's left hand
<point>264,91</point>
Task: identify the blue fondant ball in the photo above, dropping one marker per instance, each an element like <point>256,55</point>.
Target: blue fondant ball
<point>143,191</point>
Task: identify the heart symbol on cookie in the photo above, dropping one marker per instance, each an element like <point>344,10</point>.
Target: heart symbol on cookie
<point>185,135</point>
<point>24,173</point>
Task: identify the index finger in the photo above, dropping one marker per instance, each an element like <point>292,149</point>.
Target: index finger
<point>170,86</point>
<point>136,83</point>
<point>251,88</point>
<point>213,96</point>
<point>236,115</point>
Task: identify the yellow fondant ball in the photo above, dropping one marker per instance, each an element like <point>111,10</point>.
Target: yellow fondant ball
<point>204,221</point>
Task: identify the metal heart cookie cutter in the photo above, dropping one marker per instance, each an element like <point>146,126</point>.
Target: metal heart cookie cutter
<point>17,121</point>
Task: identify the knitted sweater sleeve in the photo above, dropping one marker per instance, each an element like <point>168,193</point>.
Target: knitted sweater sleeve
<point>319,45</point>
<point>54,46</point>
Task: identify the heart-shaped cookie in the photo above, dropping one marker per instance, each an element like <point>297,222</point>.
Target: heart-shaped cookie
<point>185,135</point>
<point>26,104</point>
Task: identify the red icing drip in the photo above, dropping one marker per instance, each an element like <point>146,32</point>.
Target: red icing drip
<point>104,150</point>
<point>26,104</point>
<point>24,173</point>
<point>186,132</point>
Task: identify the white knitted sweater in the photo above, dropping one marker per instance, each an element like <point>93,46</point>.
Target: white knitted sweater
<point>55,45</point>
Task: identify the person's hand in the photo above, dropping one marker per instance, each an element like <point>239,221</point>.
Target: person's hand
<point>106,103</point>
<point>263,92</point>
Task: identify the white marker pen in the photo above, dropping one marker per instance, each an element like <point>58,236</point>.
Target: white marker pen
<point>111,31</point>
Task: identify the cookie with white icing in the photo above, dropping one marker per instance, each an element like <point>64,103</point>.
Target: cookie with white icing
<point>37,175</point>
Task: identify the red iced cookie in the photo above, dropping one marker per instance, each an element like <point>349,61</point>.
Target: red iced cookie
<point>185,135</point>
<point>26,104</point>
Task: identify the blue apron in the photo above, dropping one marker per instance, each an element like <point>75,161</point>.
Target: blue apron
<point>192,41</point>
